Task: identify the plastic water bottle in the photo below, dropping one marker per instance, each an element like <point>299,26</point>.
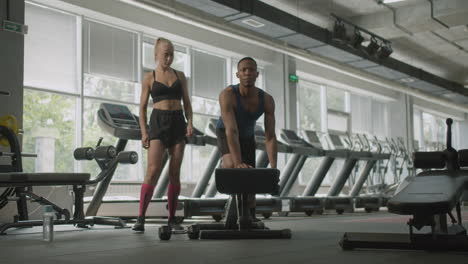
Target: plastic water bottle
<point>48,224</point>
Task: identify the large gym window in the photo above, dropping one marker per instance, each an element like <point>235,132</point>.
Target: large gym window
<point>308,116</point>
<point>209,74</point>
<point>110,51</point>
<point>336,99</point>
<point>205,106</point>
<point>433,132</point>
<point>108,88</point>
<point>50,50</point>
<point>369,116</point>
<point>50,119</point>
<point>49,123</point>
<point>308,106</point>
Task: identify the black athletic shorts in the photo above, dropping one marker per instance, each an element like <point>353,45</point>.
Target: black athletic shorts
<point>168,126</point>
<point>247,146</point>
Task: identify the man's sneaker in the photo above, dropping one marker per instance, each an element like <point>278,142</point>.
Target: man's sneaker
<point>174,225</point>
<point>140,224</point>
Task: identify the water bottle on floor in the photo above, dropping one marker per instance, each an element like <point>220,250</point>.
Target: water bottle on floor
<point>48,224</point>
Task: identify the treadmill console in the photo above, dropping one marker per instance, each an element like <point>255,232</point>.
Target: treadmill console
<point>312,138</point>
<point>210,129</point>
<point>336,141</point>
<point>259,133</point>
<point>119,115</point>
<point>119,121</point>
<point>291,137</point>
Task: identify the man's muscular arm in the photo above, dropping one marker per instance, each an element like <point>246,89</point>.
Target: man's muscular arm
<point>226,99</point>
<point>271,143</point>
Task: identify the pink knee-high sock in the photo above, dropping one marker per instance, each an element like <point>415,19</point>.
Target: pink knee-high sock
<point>145,197</point>
<point>173,192</point>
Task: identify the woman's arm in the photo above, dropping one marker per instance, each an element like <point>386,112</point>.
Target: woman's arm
<point>145,92</point>
<point>187,104</point>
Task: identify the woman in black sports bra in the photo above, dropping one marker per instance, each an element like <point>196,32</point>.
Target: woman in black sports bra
<point>167,127</point>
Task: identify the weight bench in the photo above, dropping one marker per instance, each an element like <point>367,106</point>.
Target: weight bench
<point>239,183</point>
<point>429,197</point>
<point>23,183</point>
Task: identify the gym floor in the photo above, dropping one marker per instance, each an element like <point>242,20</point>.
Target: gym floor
<point>315,240</point>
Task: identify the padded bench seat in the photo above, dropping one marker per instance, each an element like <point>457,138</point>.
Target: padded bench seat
<point>434,192</point>
<point>47,178</point>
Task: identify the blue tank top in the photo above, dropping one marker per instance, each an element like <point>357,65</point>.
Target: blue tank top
<point>245,119</point>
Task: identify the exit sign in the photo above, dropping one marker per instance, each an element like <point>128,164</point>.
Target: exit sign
<point>14,27</point>
<point>293,78</point>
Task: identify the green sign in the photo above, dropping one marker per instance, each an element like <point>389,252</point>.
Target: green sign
<point>14,27</point>
<point>293,78</point>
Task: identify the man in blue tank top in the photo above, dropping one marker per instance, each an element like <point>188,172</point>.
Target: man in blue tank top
<point>241,105</point>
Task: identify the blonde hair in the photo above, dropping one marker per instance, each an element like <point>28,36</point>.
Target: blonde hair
<point>161,40</point>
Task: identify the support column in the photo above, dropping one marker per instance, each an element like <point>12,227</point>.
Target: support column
<point>45,148</point>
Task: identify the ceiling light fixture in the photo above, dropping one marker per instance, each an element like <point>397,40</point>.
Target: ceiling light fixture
<point>373,46</point>
<point>384,51</point>
<point>339,31</point>
<point>407,80</point>
<point>356,39</point>
<point>390,1</point>
<point>253,23</point>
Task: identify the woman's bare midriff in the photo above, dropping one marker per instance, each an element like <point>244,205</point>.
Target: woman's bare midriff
<point>170,105</point>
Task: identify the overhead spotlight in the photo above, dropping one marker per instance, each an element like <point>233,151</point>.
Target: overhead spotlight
<point>373,46</point>
<point>384,51</point>
<point>357,39</point>
<point>339,31</point>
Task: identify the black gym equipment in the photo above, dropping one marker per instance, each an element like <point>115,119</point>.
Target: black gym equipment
<point>239,183</point>
<point>370,201</point>
<point>209,205</point>
<point>118,121</point>
<point>334,200</point>
<point>12,176</point>
<point>301,150</point>
<point>429,197</point>
<point>266,205</point>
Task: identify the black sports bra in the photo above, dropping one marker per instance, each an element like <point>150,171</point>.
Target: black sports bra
<point>160,91</point>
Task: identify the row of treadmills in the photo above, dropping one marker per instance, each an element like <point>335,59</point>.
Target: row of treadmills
<point>360,155</point>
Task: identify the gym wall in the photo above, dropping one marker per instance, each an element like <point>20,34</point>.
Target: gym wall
<point>11,73</point>
<point>11,63</point>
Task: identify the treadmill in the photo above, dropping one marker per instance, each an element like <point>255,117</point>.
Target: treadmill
<point>268,204</point>
<point>207,205</point>
<point>373,201</point>
<point>121,123</point>
<point>303,150</point>
<point>334,201</point>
